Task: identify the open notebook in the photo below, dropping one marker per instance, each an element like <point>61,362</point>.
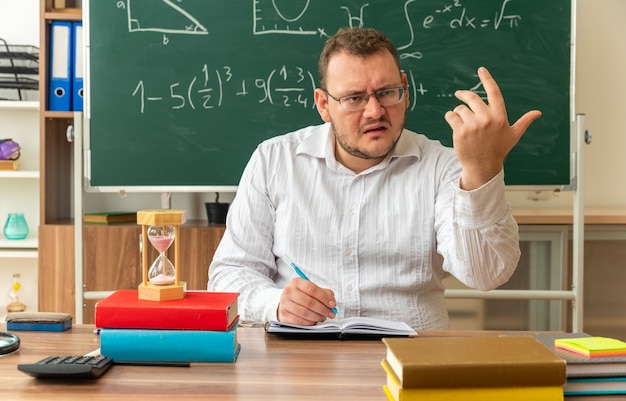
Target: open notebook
<point>347,326</point>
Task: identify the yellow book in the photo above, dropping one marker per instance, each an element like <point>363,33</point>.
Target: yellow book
<point>468,362</point>
<point>395,392</point>
<point>10,165</point>
<point>547,393</point>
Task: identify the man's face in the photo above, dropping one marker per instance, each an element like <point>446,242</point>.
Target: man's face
<point>363,137</point>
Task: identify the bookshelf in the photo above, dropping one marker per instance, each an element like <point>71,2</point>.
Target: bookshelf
<point>20,194</point>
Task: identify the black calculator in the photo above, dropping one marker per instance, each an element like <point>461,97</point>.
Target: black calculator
<point>68,367</point>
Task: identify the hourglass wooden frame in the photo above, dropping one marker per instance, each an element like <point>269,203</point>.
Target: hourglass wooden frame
<point>160,217</point>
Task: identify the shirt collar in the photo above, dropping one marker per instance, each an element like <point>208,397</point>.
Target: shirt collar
<point>321,144</point>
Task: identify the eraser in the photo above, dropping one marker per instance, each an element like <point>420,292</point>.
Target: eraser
<point>39,321</point>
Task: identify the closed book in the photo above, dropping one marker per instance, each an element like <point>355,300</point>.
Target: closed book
<point>9,165</point>
<point>198,310</point>
<point>604,386</point>
<point>608,369</point>
<point>395,392</point>
<point>473,362</point>
<point>548,393</point>
<point>110,217</point>
<point>162,346</point>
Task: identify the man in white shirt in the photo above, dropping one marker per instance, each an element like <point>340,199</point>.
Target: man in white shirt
<point>368,209</point>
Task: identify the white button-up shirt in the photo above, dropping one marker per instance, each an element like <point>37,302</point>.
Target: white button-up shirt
<point>376,238</point>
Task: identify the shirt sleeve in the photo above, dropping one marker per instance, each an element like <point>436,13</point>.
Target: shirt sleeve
<point>243,261</point>
<point>477,234</point>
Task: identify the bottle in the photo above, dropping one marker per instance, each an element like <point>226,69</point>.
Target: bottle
<point>15,226</point>
<point>15,295</point>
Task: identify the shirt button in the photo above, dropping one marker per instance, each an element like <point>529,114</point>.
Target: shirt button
<point>348,251</point>
<point>349,287</point>
<point>351,212</point>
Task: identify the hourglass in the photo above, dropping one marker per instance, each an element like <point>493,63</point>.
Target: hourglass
<point>160,228</point>
<point>162,271</point>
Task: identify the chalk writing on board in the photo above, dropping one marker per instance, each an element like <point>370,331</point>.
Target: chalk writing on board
<point>282,86</point>
<point>179,20</point>
<point>464,19</point>
<point>277,89</point>
<point>417,90</point>
<point>265,8</point>
<point>270,17</point>
<point>287,86</point>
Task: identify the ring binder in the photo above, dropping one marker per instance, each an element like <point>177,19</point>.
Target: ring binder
<point>60,66</point>
<point>78,69</point>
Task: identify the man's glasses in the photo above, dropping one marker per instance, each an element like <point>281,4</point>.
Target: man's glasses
<point>358,101</point>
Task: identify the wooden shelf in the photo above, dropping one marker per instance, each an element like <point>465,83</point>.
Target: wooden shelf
<point>18,249</point>
<point>18,254</point>
<point>58,114</point>
<point>565,216</point>
<point>64,14</point>
<point>26,243</point>
<point>20,174</point>
<point>19,104</point>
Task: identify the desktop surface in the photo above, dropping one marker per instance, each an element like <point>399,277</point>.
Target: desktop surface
<point>269,368</point>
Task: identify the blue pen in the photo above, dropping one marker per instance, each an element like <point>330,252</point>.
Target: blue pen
<point>302,275</point>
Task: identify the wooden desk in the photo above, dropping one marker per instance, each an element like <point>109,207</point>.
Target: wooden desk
<point>269,368</point>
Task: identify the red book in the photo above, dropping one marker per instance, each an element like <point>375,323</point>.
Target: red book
<point>216,311</point>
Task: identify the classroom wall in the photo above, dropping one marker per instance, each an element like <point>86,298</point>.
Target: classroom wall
<point>600,87</point>
<point>19,22</point>
<point>24,33</point>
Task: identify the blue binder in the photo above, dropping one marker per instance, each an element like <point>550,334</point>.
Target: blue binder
<point>78,69</point>
<point>60,88</point>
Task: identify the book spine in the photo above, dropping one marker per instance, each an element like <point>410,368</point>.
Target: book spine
<point>542,393</point>
<point>181,319</point>
<point>131,345</point>
<point>474,375</point>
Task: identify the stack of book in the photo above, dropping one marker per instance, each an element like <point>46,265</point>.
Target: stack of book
<point>600,377</point>
<point>472,369</point>
<point>201,327</point>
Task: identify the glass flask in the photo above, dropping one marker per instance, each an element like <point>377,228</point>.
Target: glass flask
<point>15,226</point>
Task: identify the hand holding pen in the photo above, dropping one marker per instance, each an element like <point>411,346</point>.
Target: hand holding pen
<point>303,302</point>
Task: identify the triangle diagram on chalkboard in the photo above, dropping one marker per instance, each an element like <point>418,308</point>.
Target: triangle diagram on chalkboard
<point>161,16</point>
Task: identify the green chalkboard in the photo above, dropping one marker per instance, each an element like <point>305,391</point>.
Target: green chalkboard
<point>180,92</point>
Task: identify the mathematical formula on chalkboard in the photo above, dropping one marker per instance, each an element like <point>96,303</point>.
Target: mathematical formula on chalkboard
<point>202,83</point>
<point>211,88</point>
<point>287,86</point>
